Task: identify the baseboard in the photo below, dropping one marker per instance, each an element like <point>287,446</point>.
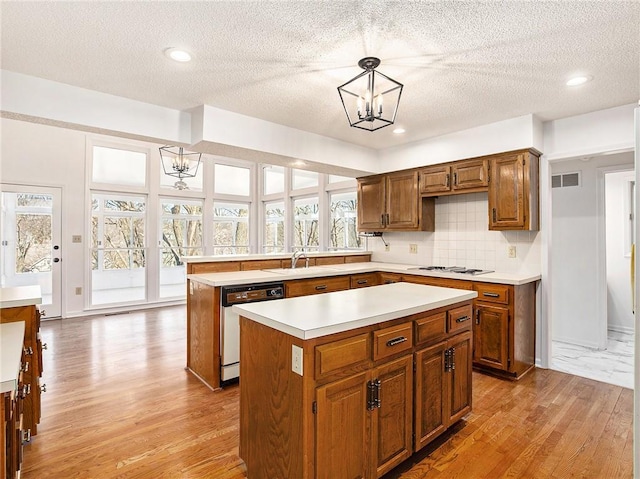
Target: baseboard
<point>621,329</point>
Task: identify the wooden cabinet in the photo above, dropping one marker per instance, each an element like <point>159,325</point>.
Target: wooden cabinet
<point>504,329</point>
<point>466,176</point>
<point>362,280</point>
<point>392,202</point>
<point>513,191</point>
<point>32,408</point>
<point>305,287</point>
<point>354,410</point>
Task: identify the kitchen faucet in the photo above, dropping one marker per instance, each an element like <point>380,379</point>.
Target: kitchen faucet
<point>296,255</point>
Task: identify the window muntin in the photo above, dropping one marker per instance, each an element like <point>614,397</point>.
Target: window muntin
<point>181,233</point>
<point>232,180</point>
<point>230,228</point>
<point>343,232</point>
<point>305,224</point>
<point>274,214</point>
<point>118,167</point>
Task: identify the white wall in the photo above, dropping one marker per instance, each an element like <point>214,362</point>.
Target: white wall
<point>618,259</point>
<point>577,306</point>
<point>462,238</point>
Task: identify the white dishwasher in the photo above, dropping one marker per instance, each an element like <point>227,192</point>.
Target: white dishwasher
<point>230,324</point>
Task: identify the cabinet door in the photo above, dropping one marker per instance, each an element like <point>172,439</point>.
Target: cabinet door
<point>392,421</point>
<point>491,336</point>
<point>341,432</point>
<point>460,377</point>
<point>469,174</point>
<point>371,203</point>
<point>430,418</point>
<point>435,179</point>
<point>402,201</point>
<point>506,193</point>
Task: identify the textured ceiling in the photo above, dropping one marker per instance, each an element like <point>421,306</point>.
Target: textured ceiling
<point>463,64</point>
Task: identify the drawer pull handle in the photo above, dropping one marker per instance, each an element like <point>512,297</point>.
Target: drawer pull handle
<point>393,342</point>
<point>25,367</point>
<point>28,351</point>
<point>321,287</point>
<point>462,319</point>
<point>43,388</point>
<point>45,346</point>
<point>26,436</point>
<point>491,295</point>
<point>362,281</point>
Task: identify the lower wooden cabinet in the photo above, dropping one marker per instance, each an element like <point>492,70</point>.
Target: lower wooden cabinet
<point>366,401</point>
<point>365,422</point>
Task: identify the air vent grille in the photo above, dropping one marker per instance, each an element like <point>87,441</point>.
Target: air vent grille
<point>565,180</point>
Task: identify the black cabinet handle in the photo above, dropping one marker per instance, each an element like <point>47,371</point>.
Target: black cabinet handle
<point>362,281</point>
<point>455,179</point>
<point>321,287</point>
<point>477,316</point>
<point>494,215</point>
<point>448,184</point>
<point>393,342</point>
<point>491,295</point>
<point>462,319</point>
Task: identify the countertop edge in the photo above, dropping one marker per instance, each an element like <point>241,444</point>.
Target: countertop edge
<point>17,296</point>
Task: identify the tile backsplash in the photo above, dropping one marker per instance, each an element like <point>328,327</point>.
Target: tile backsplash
<point>462,238</point>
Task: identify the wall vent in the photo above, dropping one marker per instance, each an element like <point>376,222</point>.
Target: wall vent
<point>565,179</point>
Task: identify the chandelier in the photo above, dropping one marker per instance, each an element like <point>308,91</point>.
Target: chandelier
<point>180,164</point>
<point>371,99</point>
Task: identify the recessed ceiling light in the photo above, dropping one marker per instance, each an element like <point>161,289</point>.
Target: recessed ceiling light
<point>578,80</point>
<point>178,55</point>
<point>399,131</point>
<point>298,163</point>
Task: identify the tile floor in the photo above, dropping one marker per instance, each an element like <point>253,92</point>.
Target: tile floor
<point>613,365</point>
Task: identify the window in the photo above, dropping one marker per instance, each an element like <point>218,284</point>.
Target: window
<point>305,224</point>
<point>118,257</point>
<point>230,228</point>
<point>180,235</point>
<point>232,180</point>
<point>119,167</point>
<point>273,180</point>
<point>343,222</point>
<point>304,179</point>
<point>33,215</point>
<point>274,228</point>
<point>339,179</point>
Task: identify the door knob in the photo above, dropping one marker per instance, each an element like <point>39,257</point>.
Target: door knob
<point>56,260</point>
<point>56,247</point>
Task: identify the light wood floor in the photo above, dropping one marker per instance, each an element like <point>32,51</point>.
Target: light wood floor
<point>119,404</point>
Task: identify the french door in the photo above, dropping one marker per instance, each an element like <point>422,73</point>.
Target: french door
<point>30,242</point>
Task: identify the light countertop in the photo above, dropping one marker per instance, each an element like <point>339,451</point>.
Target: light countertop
<point>20,296</point>
<point>11,341</point>
<point>269,275</point>
<point>308,317</point>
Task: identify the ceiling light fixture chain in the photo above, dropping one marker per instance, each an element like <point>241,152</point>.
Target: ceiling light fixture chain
<point>370,99</point>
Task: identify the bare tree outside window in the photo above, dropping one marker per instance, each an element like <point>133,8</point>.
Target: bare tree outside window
<point>230,228</point>
<point>274,228</point>
<point>343,232</point>
<point>33,233</point>
<point>305,224</point>
<point>181,231</point>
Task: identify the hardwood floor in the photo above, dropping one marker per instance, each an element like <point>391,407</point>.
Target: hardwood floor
<point>119,404</point>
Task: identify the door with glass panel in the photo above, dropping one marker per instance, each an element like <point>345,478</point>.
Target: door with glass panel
<point>180,235</point>
<point>30,242</point>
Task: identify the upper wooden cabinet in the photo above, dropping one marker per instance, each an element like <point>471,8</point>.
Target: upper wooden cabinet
<point>466,176</point>
<point>513,191</point>
<point>391,202</point>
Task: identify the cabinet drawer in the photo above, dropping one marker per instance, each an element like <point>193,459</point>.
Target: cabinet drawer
<point>393,340</point>
<point>333,357</point>
<point>495,293</point>
<point>431,328</point>
<point>363,280</point>
<point>217,267</point>
<point>389,278</point>
<point>459,318</point>
<point>306,287</point>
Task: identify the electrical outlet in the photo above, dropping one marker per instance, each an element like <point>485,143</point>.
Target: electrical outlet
<point>511,251</point>
<point>76,239</point>
<point>78,290</point>
<point>296,359</point>
<point>413,248</point>
<point>387,247</point>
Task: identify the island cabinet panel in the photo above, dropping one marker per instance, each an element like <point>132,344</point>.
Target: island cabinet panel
<point>362,397</point>
<point>341,445</point>
<point>203,333</point>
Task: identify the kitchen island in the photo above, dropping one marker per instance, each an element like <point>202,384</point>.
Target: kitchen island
<point>351,383</point>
